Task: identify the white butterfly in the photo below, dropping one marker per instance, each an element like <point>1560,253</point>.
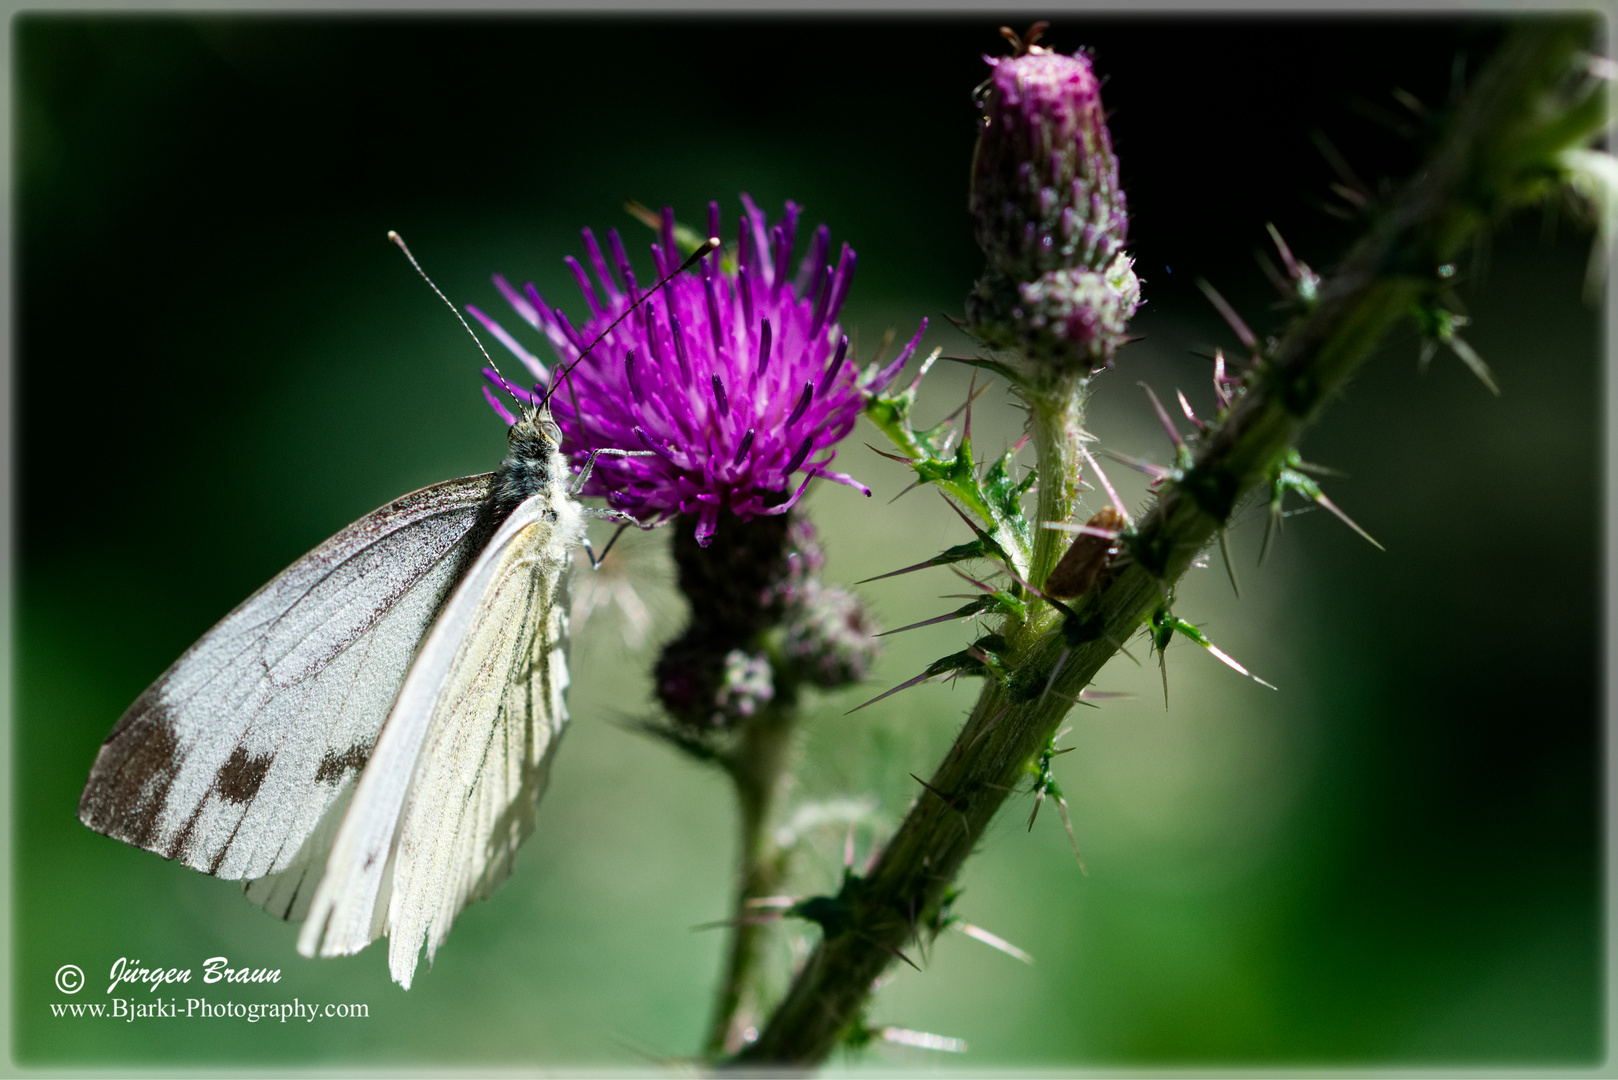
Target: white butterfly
<point>365,739</point>
<point>307,745</point>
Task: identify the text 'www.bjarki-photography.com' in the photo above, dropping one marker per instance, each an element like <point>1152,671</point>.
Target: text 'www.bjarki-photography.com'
<point>70,979</point>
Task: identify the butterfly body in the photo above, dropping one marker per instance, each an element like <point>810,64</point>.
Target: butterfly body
<point>365,739</point>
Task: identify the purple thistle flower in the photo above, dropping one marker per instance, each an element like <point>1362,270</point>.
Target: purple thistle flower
<point>735,377</point>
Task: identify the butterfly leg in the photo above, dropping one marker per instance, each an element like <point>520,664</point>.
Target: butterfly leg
<point>590,463</point>
<point>595,560</point>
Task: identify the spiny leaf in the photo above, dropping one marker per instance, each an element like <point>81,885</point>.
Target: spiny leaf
<point>935,458</point>
<point>1165,625</point>
<point>1004,495</point>
<point>1002,370</point>
<point>1439,324</point>
<point>984,538</point>
<point>976,659</point>
<point>999,602</point>
<point>1289,477</point>
<point>1045,784</point>
<point>981,548</point>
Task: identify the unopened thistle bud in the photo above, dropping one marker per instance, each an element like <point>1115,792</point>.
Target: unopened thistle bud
<point>748,685</point>
<point>755,593</point>
<point>1049,213</point>
<point>830,633</point>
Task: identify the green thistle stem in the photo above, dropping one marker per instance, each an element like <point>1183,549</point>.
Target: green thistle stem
<point>1057,408</point>
<point>757,770</point>
<point>1500,152</point>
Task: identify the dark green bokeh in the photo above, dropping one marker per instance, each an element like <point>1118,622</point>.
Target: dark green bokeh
<point>1395,860</point>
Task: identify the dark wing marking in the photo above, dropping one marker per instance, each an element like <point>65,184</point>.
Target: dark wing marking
<point>231,759</point>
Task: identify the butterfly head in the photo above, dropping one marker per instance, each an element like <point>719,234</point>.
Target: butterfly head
<point>533,462</point>
<point>535,432</point>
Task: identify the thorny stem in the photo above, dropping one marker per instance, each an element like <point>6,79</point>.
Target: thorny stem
<point>757,769</point>
<point>1496,154</point>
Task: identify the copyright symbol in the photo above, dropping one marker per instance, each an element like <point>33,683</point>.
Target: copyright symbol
<point>69,979</point>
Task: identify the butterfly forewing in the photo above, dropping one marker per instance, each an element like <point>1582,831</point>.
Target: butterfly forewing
<point>232,758</point>
<point>287,893</point>
<point>452,787</point>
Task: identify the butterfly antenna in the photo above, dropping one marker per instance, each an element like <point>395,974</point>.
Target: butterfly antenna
<point>402,246</point>
<point>711,244</point>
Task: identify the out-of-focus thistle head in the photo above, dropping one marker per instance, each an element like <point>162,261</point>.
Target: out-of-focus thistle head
<point>1049,212</point>
<point>832,636</point>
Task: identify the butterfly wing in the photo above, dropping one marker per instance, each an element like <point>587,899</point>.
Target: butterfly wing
<point>231,760</point>
<point>453,785</point>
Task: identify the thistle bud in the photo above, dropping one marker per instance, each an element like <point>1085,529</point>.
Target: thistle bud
<point>1049,213</point>
<point>762,625</point>
<point>747,686</point>
<point>831,634</point>
<point>1045,191</point>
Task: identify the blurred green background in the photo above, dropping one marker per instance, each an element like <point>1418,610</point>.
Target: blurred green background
<point>1394,861</point>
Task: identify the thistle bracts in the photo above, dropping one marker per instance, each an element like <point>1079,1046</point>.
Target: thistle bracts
<point>1507,145</point>
<point>762,624</point>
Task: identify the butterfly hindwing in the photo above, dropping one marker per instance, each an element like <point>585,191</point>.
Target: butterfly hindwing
<point>230,761</point>
<point>451,789</point>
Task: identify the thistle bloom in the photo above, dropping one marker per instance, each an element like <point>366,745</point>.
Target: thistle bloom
<point>736,376</point>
